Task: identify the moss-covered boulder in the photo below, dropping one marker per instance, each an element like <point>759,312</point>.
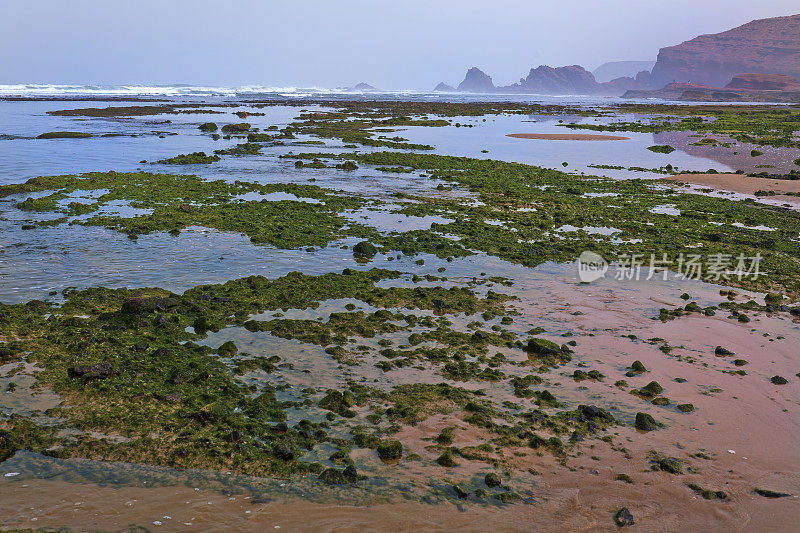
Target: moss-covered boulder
<point>645,422</point>
<point>390,449</point>
<point>447,459</point>
<point>8,446</point>
<point>236,128</point>
<point>365,248</point>
<point>492,480</point>
<point>228,349</point>
<point>64,135</point>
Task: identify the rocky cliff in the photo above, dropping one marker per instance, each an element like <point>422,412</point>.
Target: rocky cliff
<point>742,88</point>
<point>765,46</point>
<point>764,82</point>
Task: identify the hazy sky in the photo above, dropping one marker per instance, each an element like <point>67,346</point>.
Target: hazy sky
<point>393,44</point>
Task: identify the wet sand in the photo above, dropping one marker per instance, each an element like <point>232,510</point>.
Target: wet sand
<point>739,183</point>
<point>582,501</point>
<point>756,420</point>
<point>568,136</point>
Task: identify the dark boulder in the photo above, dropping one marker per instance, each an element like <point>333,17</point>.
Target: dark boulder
<point>365,248</point>
<point>283,452</point>
<point>102,370</point>
<point>7,446</point>
<point>492,480</point>
<point>623,518</point>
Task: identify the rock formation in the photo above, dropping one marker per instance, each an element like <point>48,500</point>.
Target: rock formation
<point>364,87</point>
<point>444,87</point>
<point>765,46</point>
<point>742,88</point>
<point>476,81</point>
<point>573,79</point>
<point>764,82</point>
<point>621,69</point>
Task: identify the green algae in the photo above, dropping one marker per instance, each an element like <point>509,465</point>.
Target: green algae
<point>195,158</point>
<point>64,135</point>
<point>661,148</point>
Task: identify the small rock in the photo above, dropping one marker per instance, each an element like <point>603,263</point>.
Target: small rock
<point>623,518</point>
<point>492,480</point>
<point>771,493</point>
<point>282,451</point>
<point>460,491</point>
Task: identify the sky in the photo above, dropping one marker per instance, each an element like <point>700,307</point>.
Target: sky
<point>391,44</point>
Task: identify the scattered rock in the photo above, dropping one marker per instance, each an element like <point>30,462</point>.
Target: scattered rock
<point>771,493</point>
<point>492,480</point>
<point>719,351</point>
<point>283,451</point>
<point>645,422</point>
<point>624,518</point>
<point>461,492</point>
<point>447,459</point>
<point>89,372</point>
<point>7,446</point>
<point>778,380</point>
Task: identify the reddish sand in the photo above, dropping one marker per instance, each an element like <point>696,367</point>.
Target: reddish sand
<point>568,136</point>
<point>743,184</point>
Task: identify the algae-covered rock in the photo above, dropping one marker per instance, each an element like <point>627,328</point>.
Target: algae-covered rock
<point>333,476</point>
<point>208,126</point>
<point>685,407</point>
<point>638,366</point>
<point>543,347</point>
<point>390,449</point>
<point>347,165</point>
<point>460,491</point>
<point>283,451</point>
<point>64,135</point>
<point>228,349</point>
<point>645,422</point>
<point>651,389</point>
<point>236,128</point>
<point>492,480</point>
<point>778,380</point>
<point>365,248</point>
<point>670,464</point>
<point>7,445</point>
<point>91,372</point>
<point>766,493</point>
<point>447,459</point>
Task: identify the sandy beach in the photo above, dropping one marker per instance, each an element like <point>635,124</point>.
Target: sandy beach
<point>742,184</point>
<point>568,136</point>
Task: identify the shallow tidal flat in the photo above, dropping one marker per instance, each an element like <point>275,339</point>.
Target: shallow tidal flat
<point>316,315</point>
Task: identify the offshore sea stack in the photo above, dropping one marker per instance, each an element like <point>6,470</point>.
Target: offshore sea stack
<point>476,81</point>
<point>765,46</point>
<point>572,79</point>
